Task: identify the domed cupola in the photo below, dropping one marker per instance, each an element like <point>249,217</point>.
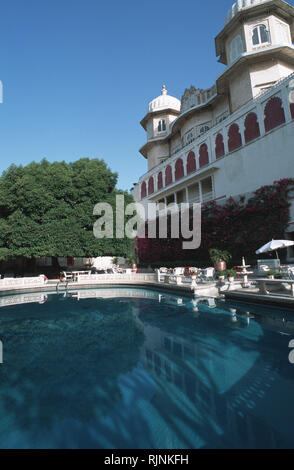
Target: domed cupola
<point>242,5</point>
<point>162,112</point>
<point>164,101</point>
<point>256,45</point>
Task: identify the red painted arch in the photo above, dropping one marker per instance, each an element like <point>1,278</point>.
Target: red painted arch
<point>143,190</point>
<point>179,169</point>
<point>274,114</point>
<point>168,175</point>
<point>252,130</point>
<point>219,146</point>
<point>191,163</point>
<point>203,155</point>
<point>234,138</point>
<point>150,186</point>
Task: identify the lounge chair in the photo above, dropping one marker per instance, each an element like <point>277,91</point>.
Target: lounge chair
<point>263,268</point>
<point>163,270</point>
<point>179,271</point>
<point>208,274</point>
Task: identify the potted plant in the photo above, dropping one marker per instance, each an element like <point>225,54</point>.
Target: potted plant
<point>132,262</point>
<point>193,273</point>
<point>231,273</point>
<point>274,275</point>
<point>220,258</point>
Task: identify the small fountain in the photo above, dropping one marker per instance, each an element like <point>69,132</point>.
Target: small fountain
<point>244,273</point>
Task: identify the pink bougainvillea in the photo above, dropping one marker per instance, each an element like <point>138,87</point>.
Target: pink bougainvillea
<point>239,226</point>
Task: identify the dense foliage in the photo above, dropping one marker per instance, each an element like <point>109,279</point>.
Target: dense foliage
<point>46,209</point>
<point>240,226</point>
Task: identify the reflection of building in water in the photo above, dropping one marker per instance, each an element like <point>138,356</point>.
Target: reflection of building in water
<point>277,320</point>
<point>202,378</point>
<point>23,299</point>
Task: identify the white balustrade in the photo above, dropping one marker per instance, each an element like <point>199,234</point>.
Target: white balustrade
<point>22,282</point>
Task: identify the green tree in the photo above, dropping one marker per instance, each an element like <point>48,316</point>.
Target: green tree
<point>46,209</point>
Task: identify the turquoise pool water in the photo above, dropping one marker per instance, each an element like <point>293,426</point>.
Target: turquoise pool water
<point>134,368</point>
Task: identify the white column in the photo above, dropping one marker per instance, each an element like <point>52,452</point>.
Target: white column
<point>260,115</point>
<point>224,133</point>
<point>184,158</point>
<point>200,190</point>
<point>211,151</point>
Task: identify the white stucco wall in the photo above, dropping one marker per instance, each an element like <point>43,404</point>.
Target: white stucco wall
<point>157,153</point>
<point>240,88</point>
<point>256,164</point>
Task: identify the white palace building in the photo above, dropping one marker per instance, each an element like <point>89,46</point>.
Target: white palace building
<point>238,135</point>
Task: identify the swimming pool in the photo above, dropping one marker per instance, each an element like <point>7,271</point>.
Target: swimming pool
<point>137,368</point>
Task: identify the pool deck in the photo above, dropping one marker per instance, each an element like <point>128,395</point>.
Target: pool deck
<point>252,295</point>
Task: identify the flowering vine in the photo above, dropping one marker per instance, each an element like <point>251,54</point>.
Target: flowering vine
<point>241,225</point>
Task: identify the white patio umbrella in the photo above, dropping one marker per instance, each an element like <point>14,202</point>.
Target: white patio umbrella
<point>275,245</point>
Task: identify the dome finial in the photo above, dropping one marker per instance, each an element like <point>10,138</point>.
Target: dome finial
<point>163,91</point>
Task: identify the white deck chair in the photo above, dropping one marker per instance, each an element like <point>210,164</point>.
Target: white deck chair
<point>163,270</point>
<point>179,271</point>
<point>208,274</point>
<point>263,268</point>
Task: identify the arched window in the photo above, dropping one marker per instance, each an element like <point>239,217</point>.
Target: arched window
<point>143,190</point>
<point>204,129</point>
<point>292,110</point>
<point>179,169</point>
<point>162,125</point>
<point>236,48</point>
<point>159,181</point>
<point>235,139</point>
<point>150,186</point>
<point>168,175</point>
<point>274,114</point>
<point>189,137</point>
<point>219,146</point>
<point>260,35</point>
<point>191,163</point>
<point>252,130</point>
<point>203,155</point>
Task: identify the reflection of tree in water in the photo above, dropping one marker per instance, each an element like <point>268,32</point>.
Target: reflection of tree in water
<point>63,360</point>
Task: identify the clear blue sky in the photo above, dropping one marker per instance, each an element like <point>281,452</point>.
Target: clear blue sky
<point>78,74</point>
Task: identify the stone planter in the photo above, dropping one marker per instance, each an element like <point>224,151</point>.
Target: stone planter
<point>231,279</point>
<point>221,279</point>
